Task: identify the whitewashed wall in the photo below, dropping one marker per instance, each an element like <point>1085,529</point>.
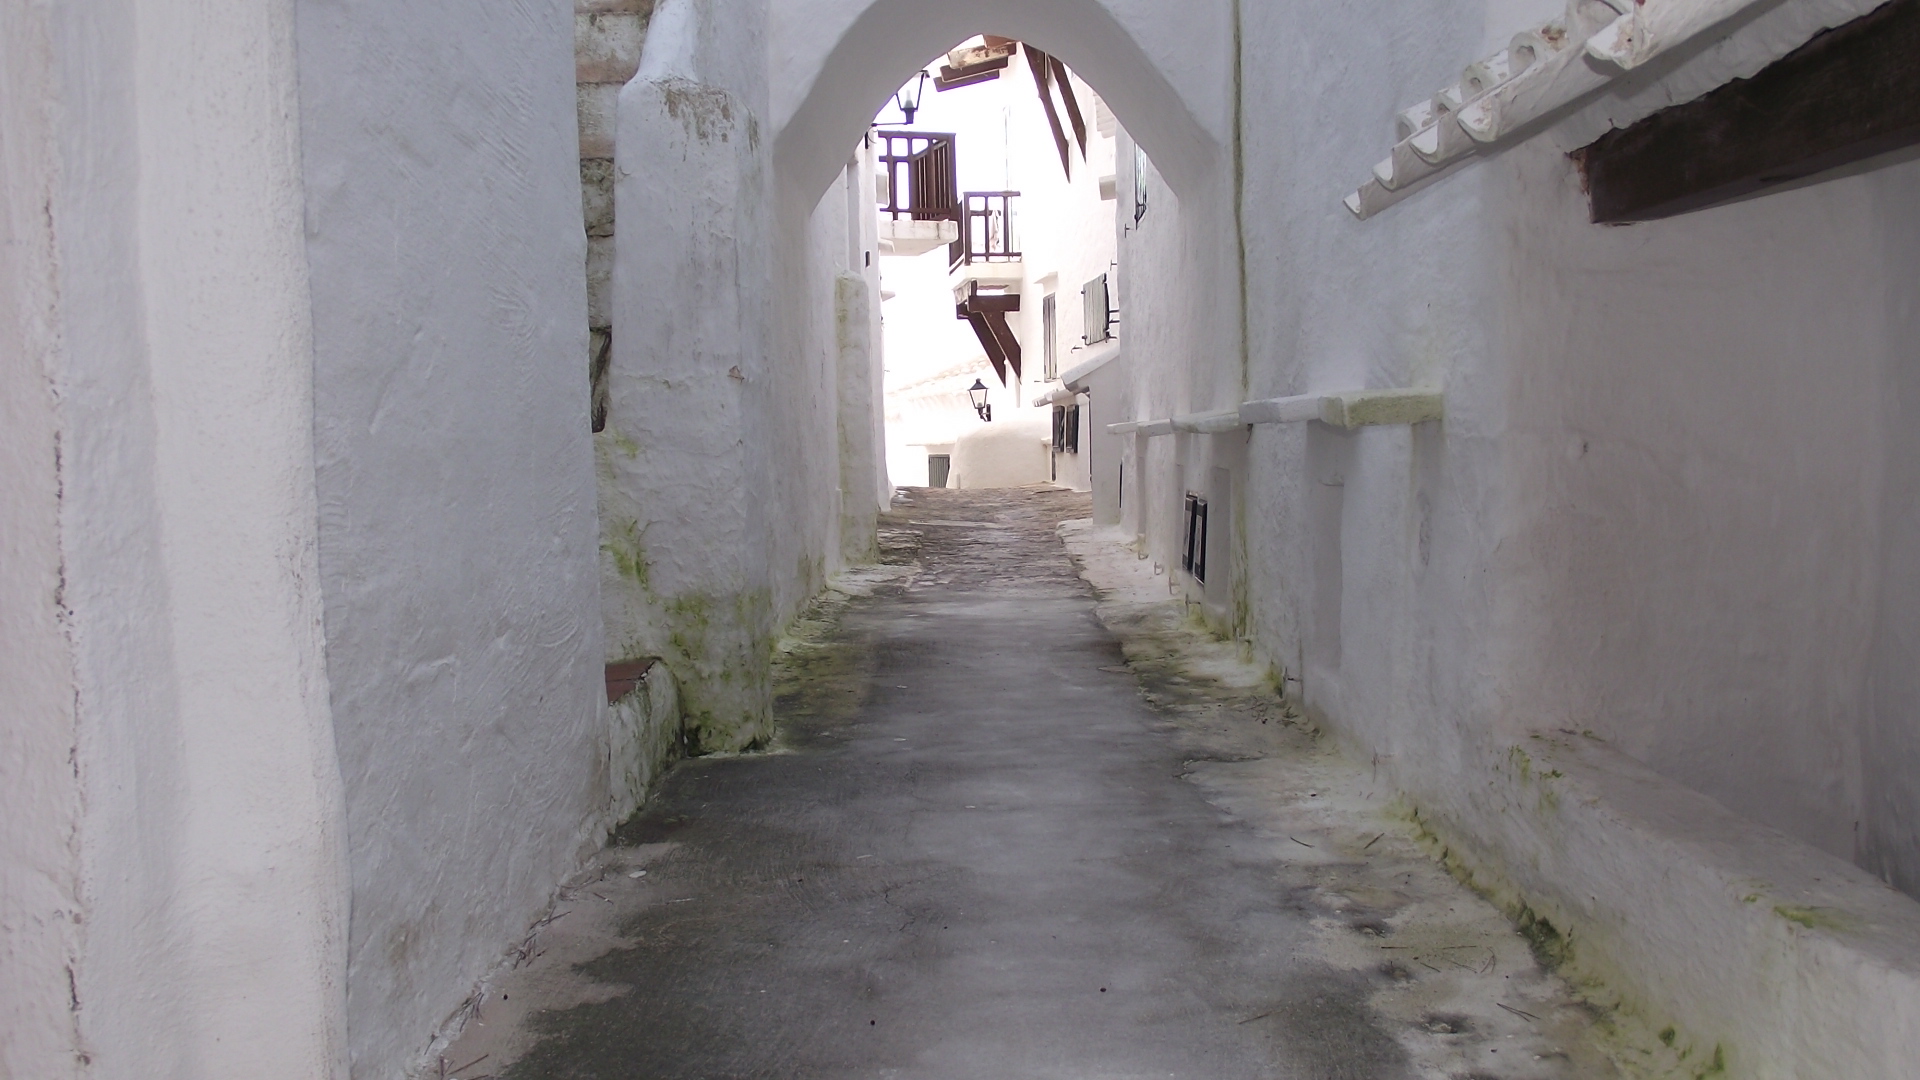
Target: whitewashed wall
<point>458,536</point>
<point>742,459</point>
<point>1890,739</point>
<point>39,795</point>
<point>169,789</point>
<point>1653,511</point>
<point>1696,556</point>
<point>1671,503</point>
<point>1669,506</point>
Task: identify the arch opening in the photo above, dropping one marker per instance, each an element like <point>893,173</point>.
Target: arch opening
<point>832,72</point>
<point>998,217</point>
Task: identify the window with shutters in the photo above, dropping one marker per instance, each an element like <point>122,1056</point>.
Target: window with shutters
<point>1050,336</point>
<point>1066,429</point>
<point>1099,311</point>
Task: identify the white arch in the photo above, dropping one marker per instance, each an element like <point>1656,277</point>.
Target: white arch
<point>833,62</point>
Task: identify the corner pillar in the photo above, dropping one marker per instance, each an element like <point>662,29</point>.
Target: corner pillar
<point>685,473</point>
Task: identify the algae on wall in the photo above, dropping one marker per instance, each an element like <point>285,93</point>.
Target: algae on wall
<point>645,737</point>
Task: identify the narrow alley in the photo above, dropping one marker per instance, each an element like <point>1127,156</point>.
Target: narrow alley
<point>981,851</point>
<point>1418,575</point>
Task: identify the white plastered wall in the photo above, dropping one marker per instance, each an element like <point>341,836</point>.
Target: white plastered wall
<point>742,462</point>
<point>1701,592</point>
<point>684,461</point>
<point>1069,238</point>
<point>40,805</point>
<point>1668,504</point>
<point>185,838</point>
<point>1890,740</point>
<point>458,532</point>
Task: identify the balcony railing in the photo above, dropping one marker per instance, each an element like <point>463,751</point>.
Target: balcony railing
<point>922,178</point>
<point>986,229</point>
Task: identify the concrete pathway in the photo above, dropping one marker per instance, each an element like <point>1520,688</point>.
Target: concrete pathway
<point>983,852</point>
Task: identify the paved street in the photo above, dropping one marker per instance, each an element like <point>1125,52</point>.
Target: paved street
<point>981,851</point>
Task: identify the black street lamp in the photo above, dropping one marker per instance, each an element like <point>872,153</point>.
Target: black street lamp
<point>978,392</point>
<point>909,96</point>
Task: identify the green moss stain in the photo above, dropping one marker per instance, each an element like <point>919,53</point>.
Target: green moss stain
<point>1549,946</point>
<point>1813,918</point>
<point>1240,561</point>
<point>622,546</point>
<point>1622,1024</point>
<point>721,649</point>
<point>1803,916</point>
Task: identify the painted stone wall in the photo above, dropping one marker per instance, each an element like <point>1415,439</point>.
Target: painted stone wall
<point>168,779</point>
<point>1890,741</point>
<point>1663,528</point>
<point>40,806</point>
<point>740,464</point>
<point>457,510</point>
<point>683,460</point>
<point>1699,584</point>
<point>608,37</point>
<point>1667,510</point>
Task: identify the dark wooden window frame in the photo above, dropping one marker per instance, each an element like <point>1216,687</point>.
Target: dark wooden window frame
<point>1194,559</point>
<point>1066,429</point>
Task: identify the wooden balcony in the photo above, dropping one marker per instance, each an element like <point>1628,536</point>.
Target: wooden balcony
<point>920,207</point>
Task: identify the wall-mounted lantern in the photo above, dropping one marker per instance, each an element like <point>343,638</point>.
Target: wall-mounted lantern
<point>908,97</point>
<point>978,392</point>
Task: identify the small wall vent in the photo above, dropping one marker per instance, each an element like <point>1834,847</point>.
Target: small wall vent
<point>1194,559</point>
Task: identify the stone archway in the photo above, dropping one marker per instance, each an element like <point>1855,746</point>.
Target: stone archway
<point>738,469</point>
<point>835,61</point>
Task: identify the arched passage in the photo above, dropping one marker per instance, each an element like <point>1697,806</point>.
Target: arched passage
<point>741,466</point>
<point>834,62</point>
<point>1157,66</point>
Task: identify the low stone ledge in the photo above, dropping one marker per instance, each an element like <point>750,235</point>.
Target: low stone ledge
<point>644,732</point>
<point>1753,954</point>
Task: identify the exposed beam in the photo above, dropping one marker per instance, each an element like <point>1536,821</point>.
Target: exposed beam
<point>1067,98</point>
<point>1041,65</point>
<point>951,77</point>
<point>1849,94</point>
<point>948,80</point>
<point>988,316</point>
<point>1008,340</point>
<point>983,331</point>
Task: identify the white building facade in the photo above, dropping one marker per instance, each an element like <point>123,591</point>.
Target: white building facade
<point>1034,221</point>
